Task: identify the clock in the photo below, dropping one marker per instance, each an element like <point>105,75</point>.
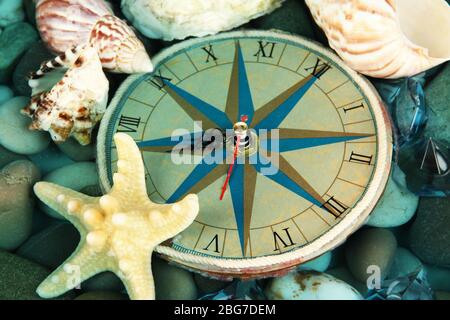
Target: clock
<point>288,149</point>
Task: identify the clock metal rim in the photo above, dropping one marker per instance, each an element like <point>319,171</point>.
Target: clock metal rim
<point>242,267</point>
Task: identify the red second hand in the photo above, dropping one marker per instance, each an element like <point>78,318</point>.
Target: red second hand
<point>230,169</point>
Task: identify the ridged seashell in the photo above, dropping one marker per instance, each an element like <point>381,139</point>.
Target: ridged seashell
<point>175,19</point>
<point>386,38</point>
<point>64,24</point>
<point>74,105</point>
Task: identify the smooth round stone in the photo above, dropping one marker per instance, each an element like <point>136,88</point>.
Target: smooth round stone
<point>310,285</point>
<point>209,285</point>
<point>370,248</point>
<point>19,277</point>
<point>437,96</point>
<point>5,94</point>
<point>319,264</point>
<point>74,176</point>
<point>41,221</point>
<point>11,11</point>
<point>397,205</point>
<point>293,17</point>
<point>7,156</point>
<point>442,295</point>
<point>30,10</point>
<point>30,62</point>
<point>105,281</point>
<point>16,202</point>
<point>77,152</point>
<point>14,41</point>
<point>430,233</point>
<point>172,283</point>
<point>342,273</point>
<point>404,263</point>
<point>101,295</point>
<point>50,159</point>
<point>52,246</point>
<point>14,133</point>
<point>438,278</point>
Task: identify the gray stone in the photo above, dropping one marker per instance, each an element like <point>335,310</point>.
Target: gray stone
<point>5,94</point>
<point>11,11</point>
<point>77,152</point>
<point>7,156</point>
<point>438,278</point>
<point>209,285</point>
<point>404,263</point>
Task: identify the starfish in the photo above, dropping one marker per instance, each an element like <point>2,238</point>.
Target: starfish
<point>118,231</point>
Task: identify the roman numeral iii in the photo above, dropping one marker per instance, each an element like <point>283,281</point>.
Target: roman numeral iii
<point>335,207</point>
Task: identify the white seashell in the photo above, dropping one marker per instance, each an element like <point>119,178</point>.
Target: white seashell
<point>386,38</point>
<point>74,105</point>
<point>64,24</point>
<point>175,19</point>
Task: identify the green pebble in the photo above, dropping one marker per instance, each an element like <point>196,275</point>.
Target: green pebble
<point>7,156</point>
<point>437,96</point>
<point>293,17</point>
<point>19,277</point>
<point>442,295</point>
<point>319,264</point>
<point>5,94</point>
<point>172,283</point>
<point>430,233</point>
<point>397,205</point>
<point>16,202</point>
<point>30,10</point>
<point>370,247</point>
<point>30,62</point>
<point>438,278</point>
<point>404,263</point>
<point>14,133</point>
<point>14,41</point>
<point>77,152</point>
<point>41,221</point>
<point>101,295</point>
<point>74,176</point>
<point>209,285</point>
<point>52,246</point>
<point>11,11</point>
<point>50,159</point>
<point>105,281</point>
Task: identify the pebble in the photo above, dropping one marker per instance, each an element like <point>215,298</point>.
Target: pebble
<point>209,285</point>
<point>19,277</point>
<point>397,205</point>
<point>77,152</point>
<point>438,278</point>
<point>52,246</point>
<point>105,281</point>
<point>293,17</point>
<point>430,233</point>
<point>11,11</point>
<point>74,176</point>
<point>442,295</point>
<point>50,159</point>
<point>7,156</point>
<point>101,295</point>
<point>30,62</point>
<point>30,10</point>
<point>319,264</point>
<point>172,283</point>
<point>16,202</point>
<point>404,263</point>
<point>310,285</point>
<point>13,46</point>
<point>370,247</point>
<point>5,94</point>
<point>14,133</point>
<point>342,273</point>
<point>437,98</point>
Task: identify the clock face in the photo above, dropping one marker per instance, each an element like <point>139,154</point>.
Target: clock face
<point>287,149</point>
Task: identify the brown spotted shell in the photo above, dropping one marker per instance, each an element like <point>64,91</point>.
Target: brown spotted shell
<point>64,24</point>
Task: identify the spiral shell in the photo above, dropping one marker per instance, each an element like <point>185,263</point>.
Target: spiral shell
<point>64,24</point>
<point>386,38</point>
<point>175,19</point>
<point>74,105</point>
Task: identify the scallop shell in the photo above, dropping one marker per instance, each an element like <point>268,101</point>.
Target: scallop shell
<point>64,24</point>
<point>175,19</point>
<point>386,38</point>
<point>74,105</point>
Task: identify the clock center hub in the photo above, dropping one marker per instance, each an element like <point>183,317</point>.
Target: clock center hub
<point>244,138</point>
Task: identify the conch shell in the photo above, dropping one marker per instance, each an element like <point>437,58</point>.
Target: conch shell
<point>74,105</point>
<point>386,38</point>
<point>175,19</point>
<point>64,24</point>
